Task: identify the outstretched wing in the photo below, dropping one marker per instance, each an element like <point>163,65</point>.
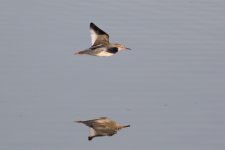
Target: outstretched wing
<point>98,36</point>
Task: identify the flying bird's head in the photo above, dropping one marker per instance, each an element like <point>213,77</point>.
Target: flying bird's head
<point>121,47</point>
<point>119,126</point>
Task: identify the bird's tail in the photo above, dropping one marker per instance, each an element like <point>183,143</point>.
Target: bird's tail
<point>78,53</point>
<point>79,121</point>
<point>82,52</point>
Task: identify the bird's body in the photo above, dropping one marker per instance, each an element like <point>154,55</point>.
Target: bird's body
<point>100,44</point>
<point>102,127</point>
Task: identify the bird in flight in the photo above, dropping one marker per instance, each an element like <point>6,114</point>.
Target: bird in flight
<point>100,45</point>
<point>102,126</point>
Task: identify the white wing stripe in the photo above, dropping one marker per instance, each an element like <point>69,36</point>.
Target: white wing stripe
<point>93,36</point>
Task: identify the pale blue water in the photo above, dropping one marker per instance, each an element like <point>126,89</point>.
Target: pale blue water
<point>169,88</point>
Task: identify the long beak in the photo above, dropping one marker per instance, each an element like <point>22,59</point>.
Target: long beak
<point>127,48</point>
<point>124,126</point>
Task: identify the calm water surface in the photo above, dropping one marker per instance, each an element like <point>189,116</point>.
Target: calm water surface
<point>170,87</point>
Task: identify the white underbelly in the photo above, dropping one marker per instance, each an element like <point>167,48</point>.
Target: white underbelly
<point>104,53</point>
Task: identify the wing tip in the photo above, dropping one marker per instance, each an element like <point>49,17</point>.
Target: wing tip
<point>92,25</point>
<point>90,138</point>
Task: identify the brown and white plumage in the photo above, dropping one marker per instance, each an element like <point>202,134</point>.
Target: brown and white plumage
<point>100,45</point>
<point>102,126</point>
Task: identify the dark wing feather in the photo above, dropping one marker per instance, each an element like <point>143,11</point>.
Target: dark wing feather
<point>98,36</point>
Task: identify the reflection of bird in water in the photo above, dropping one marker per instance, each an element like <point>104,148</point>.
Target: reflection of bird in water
<point>102,127</point>
<point>100,44</point>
